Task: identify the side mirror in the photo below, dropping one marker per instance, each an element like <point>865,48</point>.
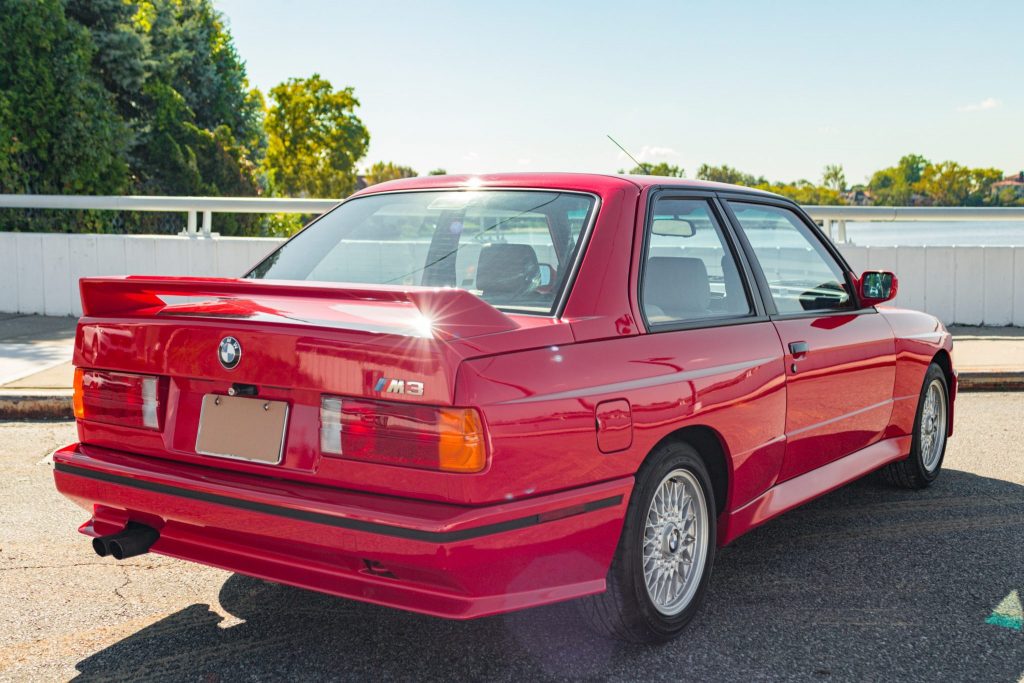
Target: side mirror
<point>547,274</point>
<point>877,286</point>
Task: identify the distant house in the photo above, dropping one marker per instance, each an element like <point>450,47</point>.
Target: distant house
<point>1013,182</point>
<point>858,196</point>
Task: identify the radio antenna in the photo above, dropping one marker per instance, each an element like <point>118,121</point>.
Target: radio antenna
<point>642,167</point>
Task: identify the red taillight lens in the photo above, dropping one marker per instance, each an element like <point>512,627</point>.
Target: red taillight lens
<point>119,398</point>
<point>447,439</point>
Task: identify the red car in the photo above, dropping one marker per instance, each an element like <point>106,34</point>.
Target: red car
<point>468,395</point>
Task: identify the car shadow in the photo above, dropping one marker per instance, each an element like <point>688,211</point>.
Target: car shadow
<point>868,583</point>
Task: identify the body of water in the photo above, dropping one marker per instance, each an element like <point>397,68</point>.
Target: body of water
<point>937,234</point>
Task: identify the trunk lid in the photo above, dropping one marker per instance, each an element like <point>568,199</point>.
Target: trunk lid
<point>298,342</point>
<point>296,336</point>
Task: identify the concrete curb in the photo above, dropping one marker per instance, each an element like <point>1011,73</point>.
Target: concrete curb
<point>991,381</point>
<point>55,404</point>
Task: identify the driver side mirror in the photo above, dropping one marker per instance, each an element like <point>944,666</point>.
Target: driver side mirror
<point>547,274</point>
<point>877,286</point>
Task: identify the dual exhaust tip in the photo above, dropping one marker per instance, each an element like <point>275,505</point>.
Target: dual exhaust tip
<point>136,539</point>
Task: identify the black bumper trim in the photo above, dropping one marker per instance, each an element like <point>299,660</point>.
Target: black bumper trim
<point>343,522</point>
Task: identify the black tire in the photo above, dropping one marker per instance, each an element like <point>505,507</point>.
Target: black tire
<point>625,610</point>
<point>911,473</point>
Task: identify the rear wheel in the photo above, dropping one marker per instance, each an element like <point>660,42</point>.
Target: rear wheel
<point>930,428</point>
<point>663,562</point>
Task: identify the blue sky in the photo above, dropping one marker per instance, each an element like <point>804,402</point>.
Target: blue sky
<point>779,88</point>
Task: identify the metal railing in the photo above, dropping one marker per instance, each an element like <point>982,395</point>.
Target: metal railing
<point>841,214</point>
<point>192,206</point>
<point>207,206</point>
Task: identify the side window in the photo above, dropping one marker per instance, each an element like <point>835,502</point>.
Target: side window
<point>802,275</point>
<point>689,272</point>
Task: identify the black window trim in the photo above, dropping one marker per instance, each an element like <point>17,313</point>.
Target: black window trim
<point>717,211</point>
<point>727,198</point>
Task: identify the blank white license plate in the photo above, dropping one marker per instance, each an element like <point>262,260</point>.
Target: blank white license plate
<point>242,428</point>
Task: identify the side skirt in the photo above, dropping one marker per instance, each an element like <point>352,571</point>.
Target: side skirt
<point>806,487</point>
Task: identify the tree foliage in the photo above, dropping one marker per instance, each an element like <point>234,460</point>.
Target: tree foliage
<point>915,180</point>
<point>834,178</point>
<point>804,192</point>
<point>728,174</point>
<point>314,139</point>
<point>137,96</point>
<point>383,171</point>
<point>59,130</point>
<point>661,168</point>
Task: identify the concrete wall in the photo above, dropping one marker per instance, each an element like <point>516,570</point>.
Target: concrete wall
<point>39,272</point>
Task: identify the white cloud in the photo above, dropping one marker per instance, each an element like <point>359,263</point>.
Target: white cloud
<point>649,153</point>
<point>470,156</point>
<point>652,153</point>
<point>987,103</point>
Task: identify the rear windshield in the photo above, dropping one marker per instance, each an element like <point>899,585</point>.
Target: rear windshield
<point>515,249</point>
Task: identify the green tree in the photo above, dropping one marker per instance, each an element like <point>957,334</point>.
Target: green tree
<point>314,139</point>
<point>804,192</point>
<point>662,168</point>
<point>834,177</point>
<point>59,130</point>
<point>193,52</point>
<point>728,174</point>
<point>381,172</point>
<point>200,125</point>
<point>122,55</point>
<point>952,184</point>
<point>896,185</point>
<point>438,171</point>
<point>984,178</point>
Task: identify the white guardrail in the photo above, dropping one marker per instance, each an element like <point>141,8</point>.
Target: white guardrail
<point>39,272</point>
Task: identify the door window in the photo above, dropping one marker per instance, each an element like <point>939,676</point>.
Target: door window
<point>802,275</point>
<point>689,271</point>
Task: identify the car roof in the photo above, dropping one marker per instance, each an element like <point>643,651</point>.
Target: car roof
<point>585,182</point>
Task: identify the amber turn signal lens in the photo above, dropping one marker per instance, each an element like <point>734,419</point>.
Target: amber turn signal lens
<point>77,397</point>
<point>461,444</point>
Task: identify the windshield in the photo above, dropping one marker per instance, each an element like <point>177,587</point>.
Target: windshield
<point>515,249</point>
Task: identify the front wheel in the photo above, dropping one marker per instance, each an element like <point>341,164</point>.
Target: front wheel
<point>663,562</point>
<point>931,426</point>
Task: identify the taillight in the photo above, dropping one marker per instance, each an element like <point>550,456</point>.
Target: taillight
<point>118,398</point>
<point>446,439</point>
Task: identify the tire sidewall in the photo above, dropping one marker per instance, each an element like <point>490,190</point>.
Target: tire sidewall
<point>917,456</point>
<point>667,458</point>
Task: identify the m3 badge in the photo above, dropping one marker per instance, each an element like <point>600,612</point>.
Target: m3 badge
<point>391,385</point>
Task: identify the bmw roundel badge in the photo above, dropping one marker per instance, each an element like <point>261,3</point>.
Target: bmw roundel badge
<point>229,352</point>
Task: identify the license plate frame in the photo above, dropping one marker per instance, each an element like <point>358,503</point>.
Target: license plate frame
<point>231,427</point>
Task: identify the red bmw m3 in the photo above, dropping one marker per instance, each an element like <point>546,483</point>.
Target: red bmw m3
<point>464,396</point>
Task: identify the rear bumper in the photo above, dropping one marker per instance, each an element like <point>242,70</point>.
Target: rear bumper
<point>435,558</point>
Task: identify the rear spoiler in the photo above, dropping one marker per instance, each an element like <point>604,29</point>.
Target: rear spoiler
<point>454,311</point>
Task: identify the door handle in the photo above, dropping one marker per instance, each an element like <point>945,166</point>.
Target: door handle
<point>799,349</point>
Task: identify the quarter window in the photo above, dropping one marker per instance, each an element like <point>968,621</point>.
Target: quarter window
<point>689,271</point>
<point>802,275</point>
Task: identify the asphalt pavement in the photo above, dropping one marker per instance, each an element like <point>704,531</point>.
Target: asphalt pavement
<point>869,583</point>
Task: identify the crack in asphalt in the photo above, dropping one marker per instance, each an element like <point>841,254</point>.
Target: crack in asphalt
<point>127,582</point>
<point>80,564</point>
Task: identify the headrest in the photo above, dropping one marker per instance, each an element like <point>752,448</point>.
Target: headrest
<point>735,298</point>
<point>678,286</point>
<point>506,269</point>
